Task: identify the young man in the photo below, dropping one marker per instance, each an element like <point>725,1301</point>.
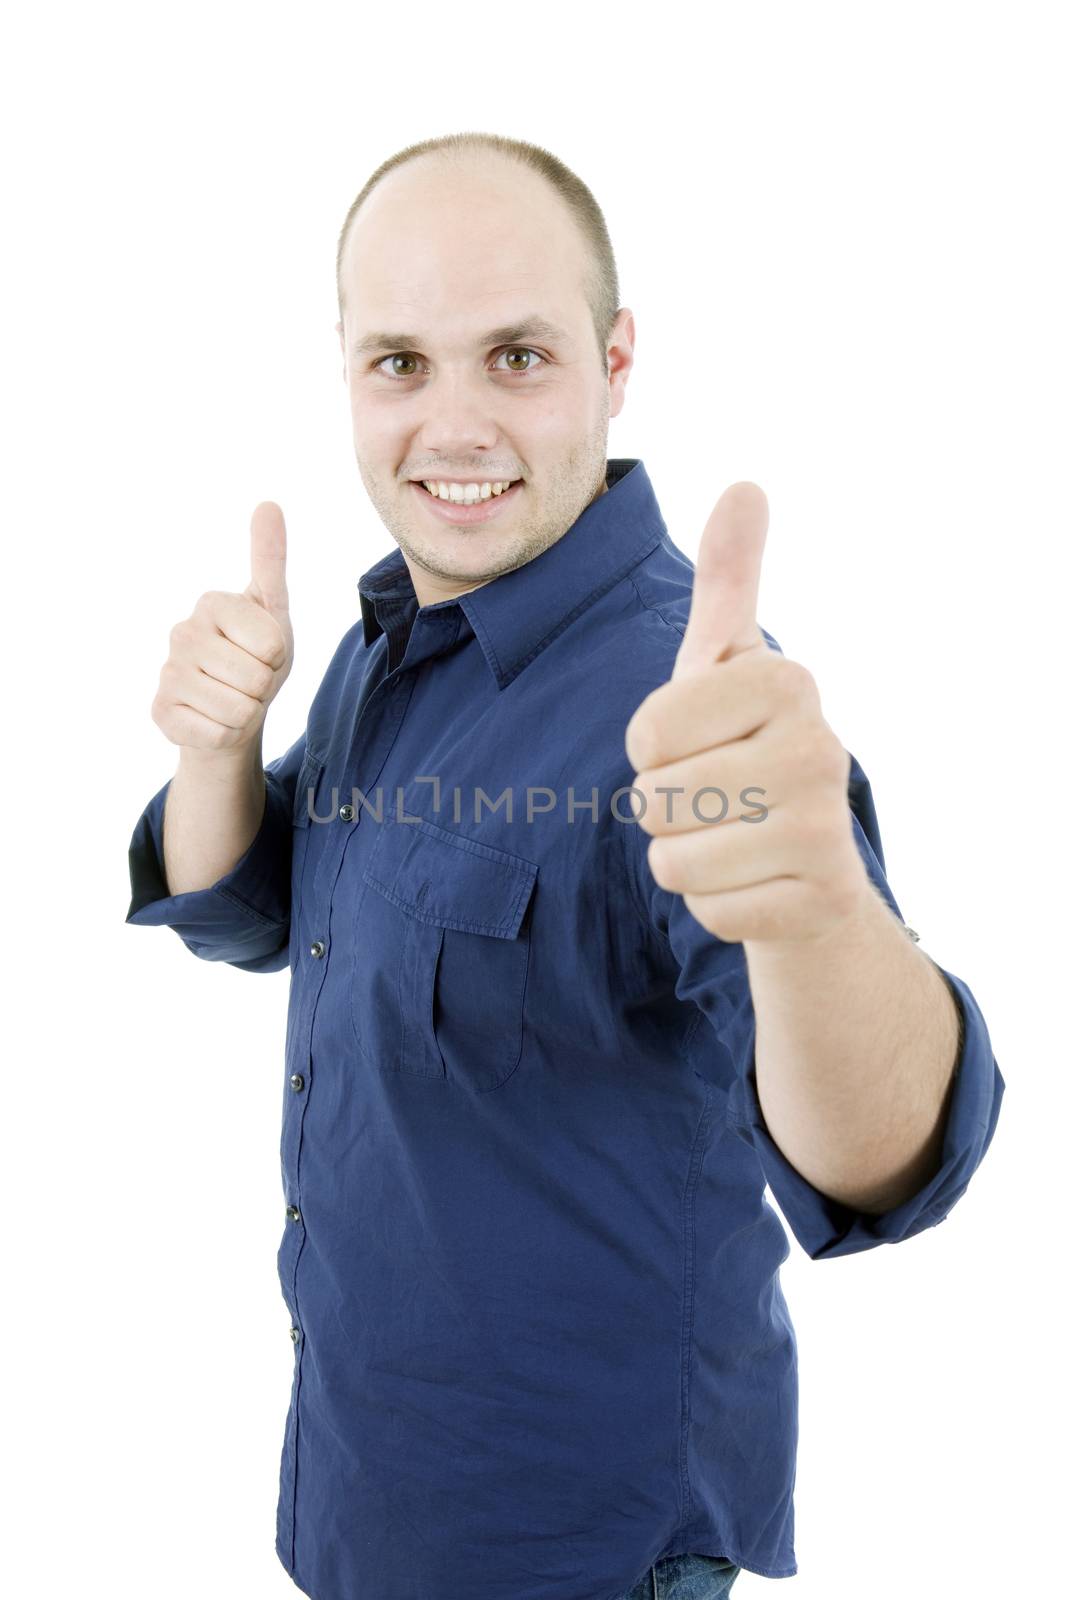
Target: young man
<point>541,1348</point>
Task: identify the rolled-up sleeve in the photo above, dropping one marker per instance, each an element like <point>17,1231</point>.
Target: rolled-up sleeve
<point>714,975</point>
<point>243,918</point>
<point>825,1227</point>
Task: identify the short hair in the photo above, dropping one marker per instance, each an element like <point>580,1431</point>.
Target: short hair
<point>600,282</point>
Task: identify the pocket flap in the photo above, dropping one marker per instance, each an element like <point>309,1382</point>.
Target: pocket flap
<point>448,880</point>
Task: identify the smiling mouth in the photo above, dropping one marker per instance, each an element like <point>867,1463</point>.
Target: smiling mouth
<point>458,512</point>
<point>478,499</point>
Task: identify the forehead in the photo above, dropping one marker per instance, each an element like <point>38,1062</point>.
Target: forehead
<point>463,251</point>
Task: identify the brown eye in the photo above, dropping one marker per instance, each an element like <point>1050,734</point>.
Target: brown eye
<point>521,350</point>
<point>401,357</point>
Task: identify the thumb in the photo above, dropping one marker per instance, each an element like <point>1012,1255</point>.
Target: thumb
<point>722,616</point>
<point>268,558</point>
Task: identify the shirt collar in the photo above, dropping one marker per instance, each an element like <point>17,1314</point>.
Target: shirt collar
<point>515,615</point>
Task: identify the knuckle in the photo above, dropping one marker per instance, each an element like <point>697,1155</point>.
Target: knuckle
<point>799,683</point>
<point>264,683</point>
<point>208,603</point>
<point>636,745</point>
<point>657,865</point>
<point>832,758</point>
<point>843,764</point>
<point>819,753</point>
<point>278,648</point>
<point>644,805</point>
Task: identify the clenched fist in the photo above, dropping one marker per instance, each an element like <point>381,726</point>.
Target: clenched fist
<point>229,659</point>
<point>736,716</point>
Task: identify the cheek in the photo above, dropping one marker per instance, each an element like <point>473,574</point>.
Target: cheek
<point>379,437</point>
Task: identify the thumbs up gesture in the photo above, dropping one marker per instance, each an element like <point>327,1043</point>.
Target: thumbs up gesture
<point>267,590</point>
<point>739,726</point>
<point>231,656</point>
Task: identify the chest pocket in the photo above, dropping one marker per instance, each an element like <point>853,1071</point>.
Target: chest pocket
<point>442,950</point>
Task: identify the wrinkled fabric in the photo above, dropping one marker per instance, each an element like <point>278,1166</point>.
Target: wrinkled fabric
<point>531,1271</point>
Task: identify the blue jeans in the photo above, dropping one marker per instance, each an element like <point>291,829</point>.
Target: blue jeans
<point>688,1577</point>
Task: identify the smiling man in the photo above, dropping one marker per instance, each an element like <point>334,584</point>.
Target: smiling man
<point>472,359</point>
<point>540,1070</point>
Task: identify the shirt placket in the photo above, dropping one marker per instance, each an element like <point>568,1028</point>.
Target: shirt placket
<point>376,730</point>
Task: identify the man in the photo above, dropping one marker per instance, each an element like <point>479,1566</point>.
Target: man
<point>543,1060</point>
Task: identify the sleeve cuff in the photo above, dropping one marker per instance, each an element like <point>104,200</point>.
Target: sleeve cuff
<point>244,917</point>
<point>825,1227</point>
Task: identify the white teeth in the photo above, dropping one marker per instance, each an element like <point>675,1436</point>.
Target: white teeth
<point>464,493</point>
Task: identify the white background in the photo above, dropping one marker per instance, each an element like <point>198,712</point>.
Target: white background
<point>838,229</point>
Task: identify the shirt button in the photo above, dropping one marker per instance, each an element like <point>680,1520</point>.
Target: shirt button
<point>292,1212</point>
<point>346,813</point>
<point>318,949</point>
<point>296,1082</point>
<point>294,1334</point>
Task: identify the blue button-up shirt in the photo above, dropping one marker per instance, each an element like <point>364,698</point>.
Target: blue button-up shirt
<point>540,1340</point>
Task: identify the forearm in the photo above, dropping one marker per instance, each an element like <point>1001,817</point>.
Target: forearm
<point>213,811</point>
<point>857,1038</point>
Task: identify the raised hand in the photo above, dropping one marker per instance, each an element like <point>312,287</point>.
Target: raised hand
<point>757,837</point>
<point>231,656</point>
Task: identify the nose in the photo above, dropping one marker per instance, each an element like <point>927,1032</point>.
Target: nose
<point>458,421</point>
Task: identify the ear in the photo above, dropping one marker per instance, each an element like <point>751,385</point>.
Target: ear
<point>341,336</point>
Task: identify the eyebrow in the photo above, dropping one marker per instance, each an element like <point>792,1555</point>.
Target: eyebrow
<point>532,327</point>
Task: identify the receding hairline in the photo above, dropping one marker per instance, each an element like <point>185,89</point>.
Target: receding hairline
<point>471,152</point>
<point>471,159</point>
